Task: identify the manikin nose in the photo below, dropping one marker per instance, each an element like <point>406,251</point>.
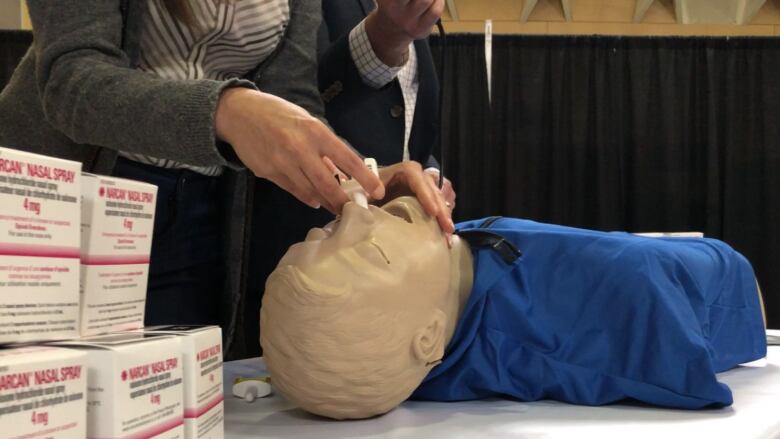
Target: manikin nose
<point>356,223</point>
<point>316,234</point>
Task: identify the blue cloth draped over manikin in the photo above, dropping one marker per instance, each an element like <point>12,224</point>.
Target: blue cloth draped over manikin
<point>593,318</point>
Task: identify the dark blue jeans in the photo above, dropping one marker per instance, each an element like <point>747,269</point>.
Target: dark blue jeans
<point>186,272</point>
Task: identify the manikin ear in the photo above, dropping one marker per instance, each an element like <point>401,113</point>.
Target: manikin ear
<point>428,342</point>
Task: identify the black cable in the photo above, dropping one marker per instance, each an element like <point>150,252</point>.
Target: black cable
<point>442,57</point>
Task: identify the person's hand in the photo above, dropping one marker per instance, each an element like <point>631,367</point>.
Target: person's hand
<point>414,18</point>
<point>408,178</point>
<point>394,24</point>
<point>282,142</point>
<point>447,190</point>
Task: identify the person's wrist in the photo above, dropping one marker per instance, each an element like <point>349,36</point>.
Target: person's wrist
<point>231,105</point>
<point>389,42</point>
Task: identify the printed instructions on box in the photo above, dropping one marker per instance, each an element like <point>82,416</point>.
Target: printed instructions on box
<point>39,246</point>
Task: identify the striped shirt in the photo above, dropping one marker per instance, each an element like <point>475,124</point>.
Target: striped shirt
<point>229,38</point>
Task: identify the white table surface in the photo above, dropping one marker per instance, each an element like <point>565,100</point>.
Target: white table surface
<point>754,414</point>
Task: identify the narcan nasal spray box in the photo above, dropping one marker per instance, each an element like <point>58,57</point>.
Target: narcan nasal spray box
<point>116,239</point>
<point>43,393</point>
<point>204,411</point>
<point>39,247</point>
<point>134,387</point>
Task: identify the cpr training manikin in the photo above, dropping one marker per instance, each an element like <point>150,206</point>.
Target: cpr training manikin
<point>377,308</point>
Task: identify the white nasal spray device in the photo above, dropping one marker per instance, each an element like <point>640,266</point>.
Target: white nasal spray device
<point>355,191</point>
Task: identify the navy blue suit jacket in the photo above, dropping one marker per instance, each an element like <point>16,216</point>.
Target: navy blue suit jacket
<point>373,120</point>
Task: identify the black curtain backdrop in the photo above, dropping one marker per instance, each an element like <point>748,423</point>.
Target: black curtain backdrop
<point>13,45</point>
<point>467,134</point>
<point>611,133</point>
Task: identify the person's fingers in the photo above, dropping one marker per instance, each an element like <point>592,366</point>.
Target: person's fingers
<point>416,8</point>
<point>321,178</point>
<point>447,190</point>
<point>429,196</point>
<point>434,177</point>
<point>433,12</point>
<point>349,162</point>
<point>425,192</point>
<point>323,201</point>
<point>449,193</point>
<point>299,187</point>
<point>386,3</point>
<point>446,194</point>
<point>335,171</point>
<point>449,201</point>
<point>450,204</point>
<point>445,214</point>
<point>445,221</point>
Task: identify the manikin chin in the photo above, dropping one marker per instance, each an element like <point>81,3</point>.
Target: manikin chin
<point>355,317</point>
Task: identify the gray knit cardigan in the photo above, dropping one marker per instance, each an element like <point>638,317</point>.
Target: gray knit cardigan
<point>78,95</point>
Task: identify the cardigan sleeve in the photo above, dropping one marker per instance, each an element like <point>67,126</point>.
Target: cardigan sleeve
<point>91,93</point>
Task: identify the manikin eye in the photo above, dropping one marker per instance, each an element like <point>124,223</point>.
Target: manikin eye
<point>381,252</point>
<point>400,212</point>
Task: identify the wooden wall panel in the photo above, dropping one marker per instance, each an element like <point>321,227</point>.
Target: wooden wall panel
<point>548,10</point>
<point>769,14</point>
<point>10,15</point>
<point>25,16</point>
<point>607,17</point>
<point>661,11</point>
<point>505,10</point>
<point>608,11</point>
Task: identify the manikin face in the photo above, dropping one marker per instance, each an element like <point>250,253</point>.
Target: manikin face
<point>386,252</point>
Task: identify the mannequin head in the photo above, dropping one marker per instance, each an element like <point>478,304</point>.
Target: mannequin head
<point>354,317</point>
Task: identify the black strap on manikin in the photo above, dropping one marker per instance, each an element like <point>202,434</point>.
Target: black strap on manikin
<point>484,238</point>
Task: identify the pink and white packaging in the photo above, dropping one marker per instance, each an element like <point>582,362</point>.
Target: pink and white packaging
<point>43,393</point>
<point>116,238</point>
<point>134,387</point>
<point>204,410</point>
<point>40,209</point>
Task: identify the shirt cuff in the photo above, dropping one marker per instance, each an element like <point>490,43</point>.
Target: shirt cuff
<point>372,70</point>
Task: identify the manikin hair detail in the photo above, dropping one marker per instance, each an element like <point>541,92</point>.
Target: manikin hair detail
<point>326,370</point>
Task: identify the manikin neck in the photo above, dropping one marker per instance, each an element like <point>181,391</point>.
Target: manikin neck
<point>461,282</point>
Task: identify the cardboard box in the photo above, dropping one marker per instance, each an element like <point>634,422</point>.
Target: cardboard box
<point>43,393</point>
<point>134,387</point>
<point>204,410</point>
<point>116,238</point>
<point>39,247</point>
